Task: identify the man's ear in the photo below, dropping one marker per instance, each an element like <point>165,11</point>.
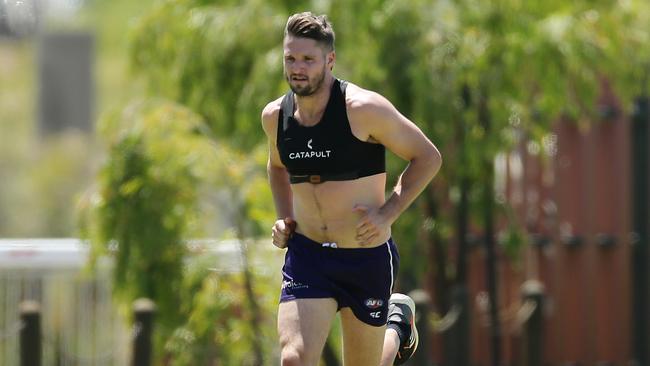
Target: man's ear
<point>331,57</point>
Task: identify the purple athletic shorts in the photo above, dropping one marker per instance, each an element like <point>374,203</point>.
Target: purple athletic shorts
<point>359,278</point>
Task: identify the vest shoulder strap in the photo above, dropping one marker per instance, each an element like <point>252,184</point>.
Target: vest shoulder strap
<point>343,84</point>
<point>286,110</point>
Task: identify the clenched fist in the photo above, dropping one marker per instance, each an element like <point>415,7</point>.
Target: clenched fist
<point>282,231</point>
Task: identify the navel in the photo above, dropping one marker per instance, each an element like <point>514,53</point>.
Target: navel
<point>323,226</point>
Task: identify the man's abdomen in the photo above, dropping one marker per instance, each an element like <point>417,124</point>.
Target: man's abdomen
<point>325,212</point>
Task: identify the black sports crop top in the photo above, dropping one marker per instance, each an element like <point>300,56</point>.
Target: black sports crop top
<point>327,150</point>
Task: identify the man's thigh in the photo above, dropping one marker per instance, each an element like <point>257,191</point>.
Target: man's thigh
<point>303,327</point>
<point>362,343</point>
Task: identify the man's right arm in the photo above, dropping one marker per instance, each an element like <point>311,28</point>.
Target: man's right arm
<point>281,190</point>
<point>278,179</point>
<point>277,172</point>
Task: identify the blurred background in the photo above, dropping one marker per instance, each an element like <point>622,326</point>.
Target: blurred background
<point>133,165</point>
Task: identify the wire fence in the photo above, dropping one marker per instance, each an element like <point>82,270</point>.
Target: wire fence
<point>79,325</point>
<point>32,341</point>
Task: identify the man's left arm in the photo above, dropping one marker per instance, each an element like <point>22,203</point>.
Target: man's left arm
<point>385,124</point>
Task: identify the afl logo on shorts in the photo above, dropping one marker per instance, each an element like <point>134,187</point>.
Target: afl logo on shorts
<point>374,303</point>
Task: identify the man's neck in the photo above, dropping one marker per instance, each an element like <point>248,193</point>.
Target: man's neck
<point>312,107</point>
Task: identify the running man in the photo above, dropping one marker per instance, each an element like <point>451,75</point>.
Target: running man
<point>326,168</point>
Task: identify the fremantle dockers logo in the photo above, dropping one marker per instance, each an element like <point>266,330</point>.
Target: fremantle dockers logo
<point>310,154</point>
<point>374,303</point>
<point>291,284</point>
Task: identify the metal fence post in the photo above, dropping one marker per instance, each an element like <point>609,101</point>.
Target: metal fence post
<point>144,310</point>
<point>30,334</point>
<point>532,292</point>
<point>422,321</point>
<point>457,340</point>
<point>641,236</point>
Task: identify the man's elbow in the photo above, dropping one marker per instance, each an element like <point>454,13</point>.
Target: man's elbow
<point>435,160</point>
<point>276,171</point>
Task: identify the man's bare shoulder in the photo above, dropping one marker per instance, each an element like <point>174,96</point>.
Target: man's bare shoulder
<point>358,99</point>
<point>270,115</point>
<point>271,110</point>
<point>363,102</point>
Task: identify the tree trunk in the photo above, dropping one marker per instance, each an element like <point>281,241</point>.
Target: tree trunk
<point>487,167</point>
<point>458,342</point>
<point>256,314</point>
<point>437,256</point>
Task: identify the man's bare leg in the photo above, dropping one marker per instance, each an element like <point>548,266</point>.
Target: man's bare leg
<point>362,343</point>
<point>401,339</point>
<point>303,327</point>
<point>391,346</point>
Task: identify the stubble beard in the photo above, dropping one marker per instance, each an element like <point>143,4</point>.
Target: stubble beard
<point>310,88</point>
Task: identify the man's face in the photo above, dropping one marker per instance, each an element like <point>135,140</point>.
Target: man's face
<point>305,64</point>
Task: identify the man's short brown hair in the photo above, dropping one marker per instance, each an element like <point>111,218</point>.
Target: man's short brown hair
<point>309,25</point>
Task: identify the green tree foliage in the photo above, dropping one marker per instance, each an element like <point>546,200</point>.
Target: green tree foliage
<point>252,215</point>
<point>145,203</point>
<point>217,327</point>
<point>162,166</point>
<point>221,61</point>
<point>480,77</point>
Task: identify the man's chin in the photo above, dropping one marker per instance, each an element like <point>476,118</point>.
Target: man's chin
<point>303,92</point>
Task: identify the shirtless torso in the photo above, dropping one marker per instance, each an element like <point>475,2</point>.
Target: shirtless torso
<point>330,211</point>
<point>325,212</point>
